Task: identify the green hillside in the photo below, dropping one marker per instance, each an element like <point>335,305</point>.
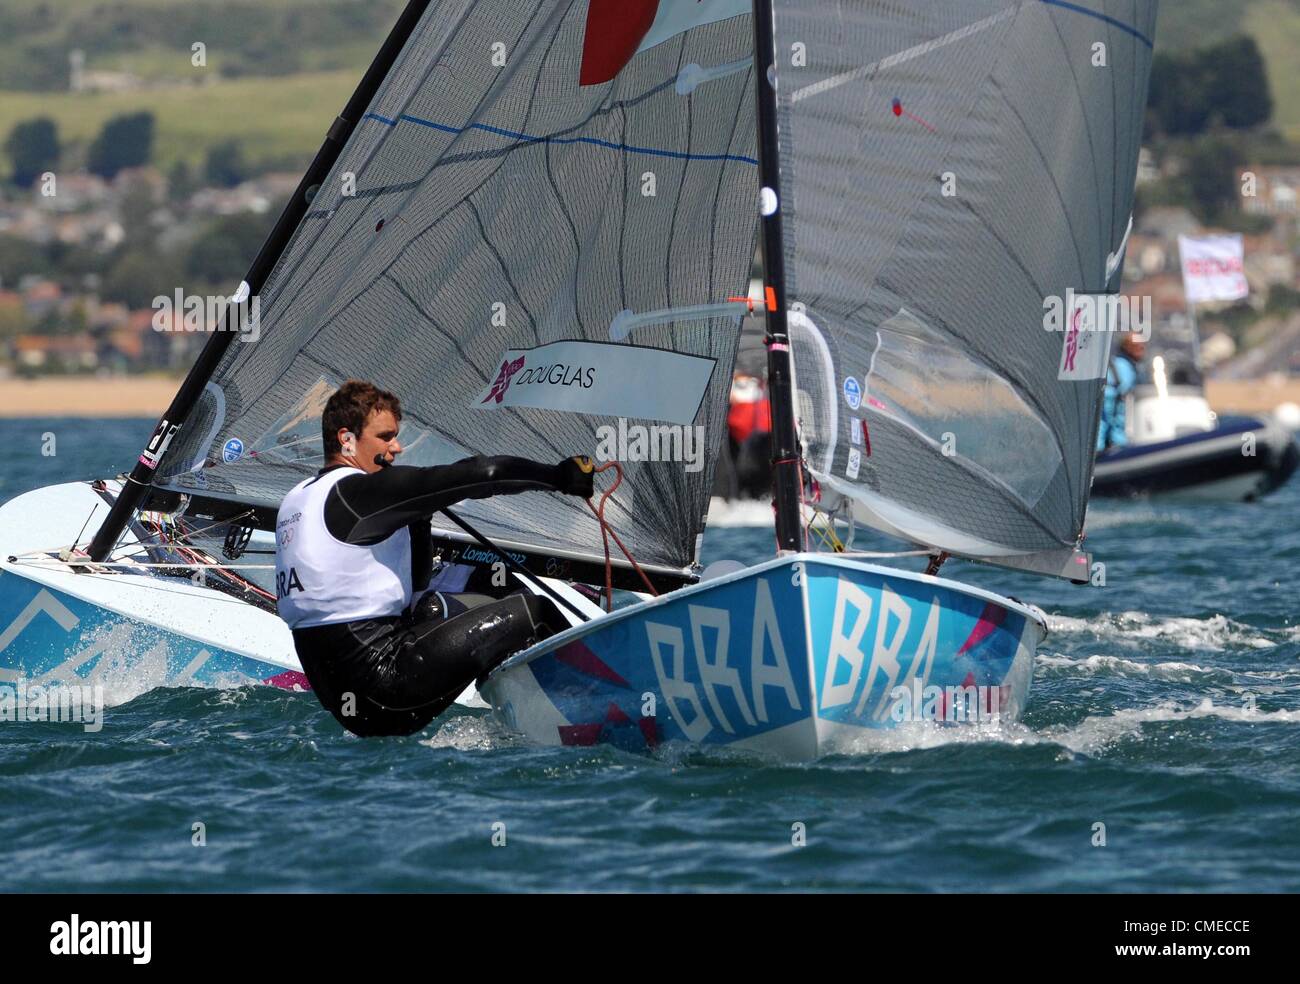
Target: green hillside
<point>153,38</point>
<point>277,70</point>
<point>282,123</point>
<point>1275,26</point>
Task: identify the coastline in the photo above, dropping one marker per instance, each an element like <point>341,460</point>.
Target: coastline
<point>86,396</point>
<point>1252,395</point>
<point>148,396</point>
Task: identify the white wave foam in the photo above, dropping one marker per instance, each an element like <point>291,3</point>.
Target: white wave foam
<point>739,512</point>
<point>1213,634</point>
<point>1112,517</point>
<point>918,735</point>
<point>1175,672</point>
<point>470,733</point>
<point>1091,736</point>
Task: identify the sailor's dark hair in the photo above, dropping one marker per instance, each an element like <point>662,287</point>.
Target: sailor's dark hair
<point>351,406</point>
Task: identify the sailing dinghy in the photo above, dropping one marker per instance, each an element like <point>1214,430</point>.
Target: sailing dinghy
<point>532,222</point>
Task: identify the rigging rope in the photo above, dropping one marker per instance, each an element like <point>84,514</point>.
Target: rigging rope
<point>53,563</point>
<point>606,531</point>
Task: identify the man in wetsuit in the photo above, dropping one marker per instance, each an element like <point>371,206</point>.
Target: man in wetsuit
<point>1121,377</point>
<point>354,558</point>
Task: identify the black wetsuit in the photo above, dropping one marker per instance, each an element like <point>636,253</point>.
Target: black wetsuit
<point>393,675</point>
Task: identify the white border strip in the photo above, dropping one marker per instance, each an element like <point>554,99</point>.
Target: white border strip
<point>825,85</point>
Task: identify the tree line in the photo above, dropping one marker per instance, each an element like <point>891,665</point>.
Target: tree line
<point>1209,108</point>
<point>1225,84</point>
<point>126,141</point>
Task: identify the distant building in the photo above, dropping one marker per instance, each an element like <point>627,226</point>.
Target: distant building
<point>77,70</point>
<point>109,314</point>
<point>120,348</point>
<point>1218,348</point>
<point>1268,263</point>
<point>1277,191</point>
<point>54,353</point>
<point>1165,291</point>
<point>104,81</point>
<point>40,297</point>
<point>95,229</point>
<point>1167,222</point>
<point>134,178</point>
<point>29,223</point>
<point>1147,170</point>
<point>169,350</point>
<point>1147,256</point>
<point>73,192</point>
<point>257,195</point>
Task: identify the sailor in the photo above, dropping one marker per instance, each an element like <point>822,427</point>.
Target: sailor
<point>384,652</point>
<point>1121,377</point>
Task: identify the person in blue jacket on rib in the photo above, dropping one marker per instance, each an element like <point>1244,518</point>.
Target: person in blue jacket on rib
<point>1121,377</point>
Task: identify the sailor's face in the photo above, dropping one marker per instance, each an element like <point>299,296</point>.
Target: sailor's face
<point>1134,347</point>
<point>379,437</point>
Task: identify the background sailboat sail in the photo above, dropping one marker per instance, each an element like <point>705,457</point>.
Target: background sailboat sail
<point>528,177</point>
<point>946,169</point>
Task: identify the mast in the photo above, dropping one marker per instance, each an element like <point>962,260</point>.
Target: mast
<point>787,477</point>
<point>183,403</point>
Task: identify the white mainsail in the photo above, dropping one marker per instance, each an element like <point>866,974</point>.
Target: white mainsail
<point>949,171</point>
<point>499,218</point>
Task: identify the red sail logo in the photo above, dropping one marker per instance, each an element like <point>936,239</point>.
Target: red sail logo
<point>502,383</point>
<point>1072,340</point>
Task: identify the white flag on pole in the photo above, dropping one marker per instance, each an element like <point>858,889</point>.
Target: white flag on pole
<point>1213,268</point>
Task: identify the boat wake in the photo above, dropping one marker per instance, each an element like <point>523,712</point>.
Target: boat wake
<point>472,732</point>
<point>1092,736</point>
<point>1108,516</point>
<point>1100,665</point>
<point>1217,633</point>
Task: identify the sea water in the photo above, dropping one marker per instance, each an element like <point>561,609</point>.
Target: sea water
<point>1160,752</point>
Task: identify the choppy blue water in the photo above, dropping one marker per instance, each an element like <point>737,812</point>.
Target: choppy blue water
<point>1139,719</point>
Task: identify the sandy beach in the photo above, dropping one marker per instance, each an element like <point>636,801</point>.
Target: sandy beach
<point>1253,395</point>
<point>87,396</point>
<point>148,396</point>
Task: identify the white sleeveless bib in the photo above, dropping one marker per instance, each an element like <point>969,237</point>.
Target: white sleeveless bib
<point>321,580</point>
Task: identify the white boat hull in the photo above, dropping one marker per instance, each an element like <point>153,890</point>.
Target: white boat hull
<point>126,627</point>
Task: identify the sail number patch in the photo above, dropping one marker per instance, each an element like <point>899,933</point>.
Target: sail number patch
<point>287,581</point>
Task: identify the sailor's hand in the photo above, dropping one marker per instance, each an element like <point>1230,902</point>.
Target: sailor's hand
<point>574,476</point>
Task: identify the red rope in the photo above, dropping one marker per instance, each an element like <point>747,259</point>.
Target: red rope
<point>606,531</point>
